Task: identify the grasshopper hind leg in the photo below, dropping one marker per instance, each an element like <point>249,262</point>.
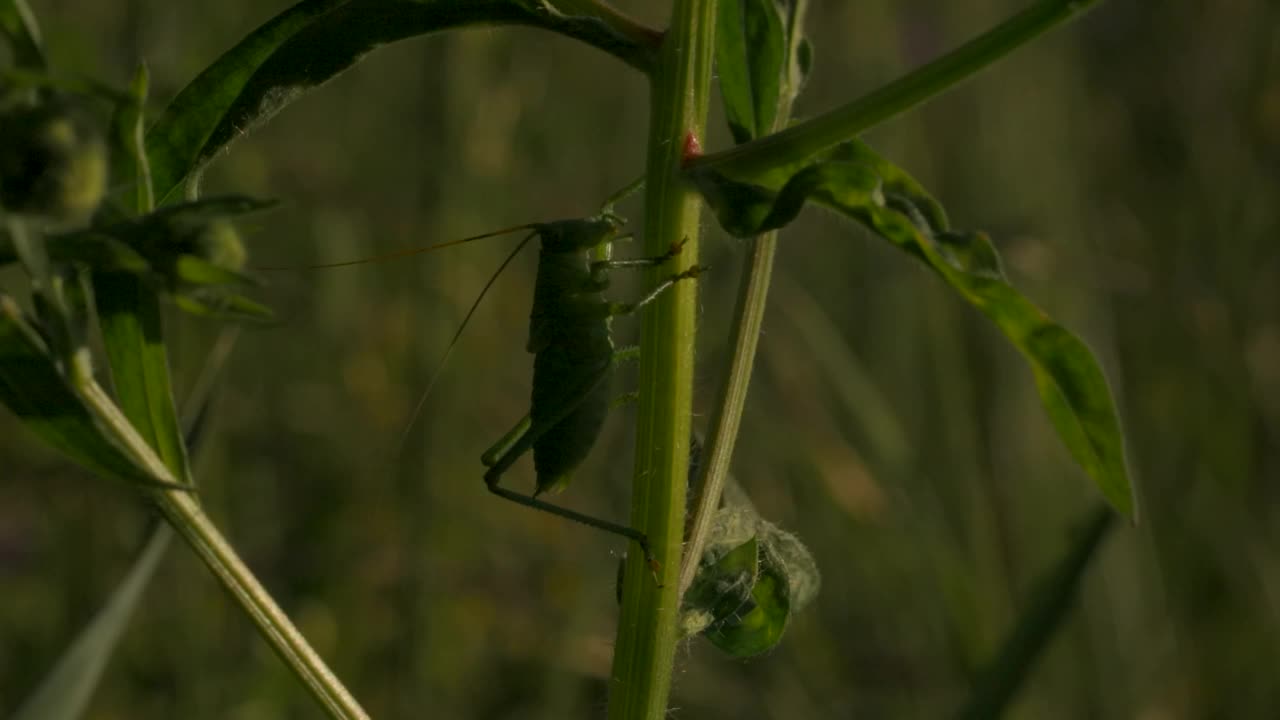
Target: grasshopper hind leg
<point>618,529</point>
<point>520,440</point>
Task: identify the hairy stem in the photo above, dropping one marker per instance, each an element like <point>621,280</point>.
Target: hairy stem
<point>753,293</point>
<point>645,649</point>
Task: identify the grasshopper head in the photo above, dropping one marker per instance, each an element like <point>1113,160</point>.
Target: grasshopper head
<point>580,234</point>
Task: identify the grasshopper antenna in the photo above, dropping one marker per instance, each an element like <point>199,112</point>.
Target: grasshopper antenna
<point>457,335</point>
<point>435,375</point>
<point>396,254</point>
<point>622,194</point>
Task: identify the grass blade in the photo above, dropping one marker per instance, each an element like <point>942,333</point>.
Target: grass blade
<point>66,690</point>
<point>1050,601</point>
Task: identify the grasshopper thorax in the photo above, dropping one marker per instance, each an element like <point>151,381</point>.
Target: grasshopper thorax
<point>571,236</point>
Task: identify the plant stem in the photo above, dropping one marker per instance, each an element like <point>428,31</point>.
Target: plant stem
<point>639,35</point>
<point>645,648</point>
<point>753,294</point>
<point>184,513</point>
<point>800,142</point>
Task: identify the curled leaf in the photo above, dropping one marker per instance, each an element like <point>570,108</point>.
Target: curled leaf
<point>858,183</point>
<point>751,577</point>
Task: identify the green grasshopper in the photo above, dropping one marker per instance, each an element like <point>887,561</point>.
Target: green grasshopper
<point>574,355</point>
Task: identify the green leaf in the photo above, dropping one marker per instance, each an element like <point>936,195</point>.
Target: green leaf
<point>33,389</point>
<point>309,44</point>
<point>750,52</point>
<point>173,248</point>
<point>1051,599</point>
<point>236,308</point>
<point>129,308</point>
<point>784,579</point>
<point>19,25</point>
<point>194,270</point>
<point>96,251</point>
<point>750,578</point>
<point>129,154</point>
<point>721,588</point>
<point>858,183</point>
<point>785,554</point>
<point>129,315</point>
<point>176,141</point>
<point>803,142</point>
<point>759,625</point>
<point>65,692</point>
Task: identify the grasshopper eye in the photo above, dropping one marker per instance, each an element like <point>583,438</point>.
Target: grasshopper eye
<point>53,162</point>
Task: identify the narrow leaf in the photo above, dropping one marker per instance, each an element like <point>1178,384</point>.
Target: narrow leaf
<point>129,307</point>
<point>129,158</point>
<point>858,183</point>
<point>1051,599</point>
<point>309,44</point>
<point>175,141</point>
<point>235,308</point>
<point>129,314</point>
<point>803,142</point>
<point>19,24</point>
<point>65,692</point>
<point>33,389</point>
<point>750,55</point>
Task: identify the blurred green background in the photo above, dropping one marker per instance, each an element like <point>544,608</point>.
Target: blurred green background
<point>1127,166</point>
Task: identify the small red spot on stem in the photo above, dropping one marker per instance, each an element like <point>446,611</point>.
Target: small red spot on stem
<point>692,148</point>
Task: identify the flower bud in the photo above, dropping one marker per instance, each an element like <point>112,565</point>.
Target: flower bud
<point>218,243</point>
<point>53,162</point>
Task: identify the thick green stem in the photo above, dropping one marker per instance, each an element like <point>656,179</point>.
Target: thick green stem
<point>645,649</point>
<point>800,142</point>
<point>184,513</point>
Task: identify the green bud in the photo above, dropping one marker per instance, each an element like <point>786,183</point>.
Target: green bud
<point>53,162</point>
<point>218,243</point>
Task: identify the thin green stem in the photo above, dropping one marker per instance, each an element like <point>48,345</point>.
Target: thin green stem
<point>800,142</point>
<point>753,293</point>
<point>184,513</point>
<point>645,649</point>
